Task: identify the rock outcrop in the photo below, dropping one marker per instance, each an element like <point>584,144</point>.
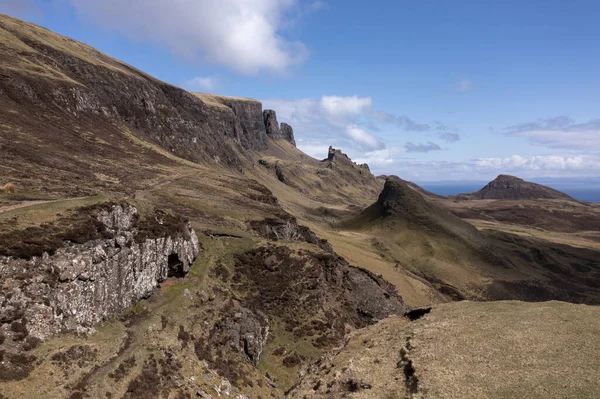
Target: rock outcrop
<point>286,227</point>
<point>69,98</point>
<point>313,294</point>
<point>80,285</point>
<point>287,133</point>
<point>336,159</point>
<point>238,118</point>
<point>243,330</point>
<point>508,187</point>
<point>276,132</point>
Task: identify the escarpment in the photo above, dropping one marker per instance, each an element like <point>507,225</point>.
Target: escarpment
<point>274,130</point>
<point>72,99</point>
<point>244,120</point>
<point>78,285</point>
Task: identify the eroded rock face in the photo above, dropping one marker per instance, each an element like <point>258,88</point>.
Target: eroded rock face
<point>244,330</point>
<point>242,120</point>
<point>314,294</point>
<point>276,132</point>
<point>82,284</point>
<point>337,159</point>
<point>287,133</point>
<point>286,227</point>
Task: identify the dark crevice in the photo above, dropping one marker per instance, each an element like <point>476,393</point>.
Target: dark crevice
<point>415,314</point>
<point>175,267</point>
<point>220,235</point>
<point>411,381</point>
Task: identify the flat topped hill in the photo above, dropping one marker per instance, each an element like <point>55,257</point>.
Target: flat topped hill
<point>512,188</point>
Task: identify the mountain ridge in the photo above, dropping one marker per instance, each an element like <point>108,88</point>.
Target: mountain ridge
<point>245,260</point>
<point>509,187</point>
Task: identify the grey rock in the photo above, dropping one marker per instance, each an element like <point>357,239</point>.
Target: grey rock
<point>280,174</point>
<point>287,228</point>
<point>82,284</point>
<point>245,330</point>
<point>276,132</point>
<point>287,133</point>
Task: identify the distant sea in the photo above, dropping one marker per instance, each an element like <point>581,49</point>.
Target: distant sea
<point>590,194</point>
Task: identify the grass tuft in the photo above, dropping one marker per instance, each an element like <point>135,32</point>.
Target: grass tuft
<point>9,188</point>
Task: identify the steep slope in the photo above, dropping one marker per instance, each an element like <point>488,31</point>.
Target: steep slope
<point>76,122</point>
<point>467,350</point>
<point>400,204</point>
<point>305,184</point>
<point>424,239</point>
<point>65,107</point>
<point>512,188</point>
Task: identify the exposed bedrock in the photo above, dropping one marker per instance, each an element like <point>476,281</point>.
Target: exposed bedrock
<point>80,285</point>
<point>274,130</point>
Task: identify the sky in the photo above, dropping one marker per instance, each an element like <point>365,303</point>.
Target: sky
<point>427,90</point>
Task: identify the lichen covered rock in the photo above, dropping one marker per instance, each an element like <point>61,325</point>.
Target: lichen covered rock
<point>80,285</point>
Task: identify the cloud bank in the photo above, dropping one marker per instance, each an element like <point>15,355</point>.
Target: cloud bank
<point>246,36</point>
<point>325,121</point>
<point>560,132</point>
<point>349,120</point>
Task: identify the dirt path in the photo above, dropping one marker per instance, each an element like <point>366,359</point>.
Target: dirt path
<point>158,184</point>
<point>26,204</point>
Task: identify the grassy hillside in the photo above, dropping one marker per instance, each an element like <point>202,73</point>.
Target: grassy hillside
<point>462,350</point>
<point>79,128</point>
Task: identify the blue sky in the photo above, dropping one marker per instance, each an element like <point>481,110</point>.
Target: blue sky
<point>428,90</point>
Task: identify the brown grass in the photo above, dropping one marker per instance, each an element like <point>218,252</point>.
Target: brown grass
<point>497,350</point>
<point>9,188</point>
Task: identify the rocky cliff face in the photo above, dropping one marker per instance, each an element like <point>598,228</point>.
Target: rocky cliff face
<point>54,87</point>
<point>276,132</point>
<point>238,118</point>
<point>80,285</point>
<point>336,159</point>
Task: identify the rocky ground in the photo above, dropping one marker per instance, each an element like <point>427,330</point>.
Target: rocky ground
<point>156,243</point>
<point>518,349</point>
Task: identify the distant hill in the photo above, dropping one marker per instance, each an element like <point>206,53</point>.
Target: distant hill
<point>401,202</point>
<point>512,188</point>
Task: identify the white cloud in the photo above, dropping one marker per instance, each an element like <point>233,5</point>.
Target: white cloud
<point>362,137</point>
<point>349,123</point>
<point>559,166</point>
<point>318,151</point>
<point>201,83</point>
<point>246,36</point>
<point>334,117</point>
<point>402,122</point>
<point>341,110</point>
<point>543,163</point>
<point>560,132</point>
<point>381,159</point>
<point>449,137</point>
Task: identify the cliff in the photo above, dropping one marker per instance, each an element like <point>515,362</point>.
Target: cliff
<point>63,97</point>
<point>246,121</point>
<point>275,131</point>
<point>78,285</point>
